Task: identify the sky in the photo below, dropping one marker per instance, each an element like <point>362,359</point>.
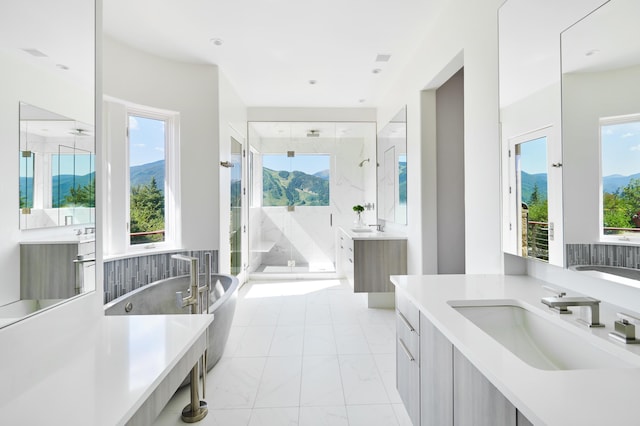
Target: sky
<point>620,148</point>
<point>308,163</point>
<point>146,140</point>
<point>533,156</point>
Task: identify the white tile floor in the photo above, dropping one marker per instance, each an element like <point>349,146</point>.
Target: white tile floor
<point>302,353</point>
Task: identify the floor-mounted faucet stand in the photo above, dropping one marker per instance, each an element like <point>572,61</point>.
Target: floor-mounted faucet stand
<point>197,409</point>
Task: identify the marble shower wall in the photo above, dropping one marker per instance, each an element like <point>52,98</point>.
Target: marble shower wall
<point>124,275</point>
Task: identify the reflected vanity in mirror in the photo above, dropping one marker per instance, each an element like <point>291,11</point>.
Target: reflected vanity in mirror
<point>57,177</point>
<point>47,116</point>
<point>392,170</point>
<point>601,136</point>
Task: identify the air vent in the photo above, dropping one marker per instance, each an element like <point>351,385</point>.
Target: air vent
<point>35,52</point>
<point>313,133</point>
<point>383,57</point>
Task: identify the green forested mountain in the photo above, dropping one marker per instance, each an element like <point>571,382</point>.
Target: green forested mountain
<point>142,174</point>
<point>530,181</point>
<point>283,188</point>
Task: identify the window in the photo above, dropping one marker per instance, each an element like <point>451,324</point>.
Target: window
<point>620,166</point>
<point>295,179</point>
<point>26,180</point>
<point>148,138</point>
<point>529,184</point>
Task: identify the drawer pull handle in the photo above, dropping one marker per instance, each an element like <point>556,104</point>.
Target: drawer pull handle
<point>406,351</point>
<point>405,321</point>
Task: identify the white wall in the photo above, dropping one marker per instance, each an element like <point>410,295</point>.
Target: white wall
<point>465,33</point>
<point>192,90</point>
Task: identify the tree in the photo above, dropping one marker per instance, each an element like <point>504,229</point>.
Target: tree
<point>615,214</point>
<point>146,212</point>
<point>535,196</point>
<point>81,196</point>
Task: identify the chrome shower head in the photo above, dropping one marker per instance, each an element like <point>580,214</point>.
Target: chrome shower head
<point>363,161</point>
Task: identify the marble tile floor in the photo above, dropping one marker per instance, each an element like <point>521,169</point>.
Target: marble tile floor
<point>305,353</point>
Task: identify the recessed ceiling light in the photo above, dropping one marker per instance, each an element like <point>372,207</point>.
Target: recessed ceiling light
<point>376,71</point>
<point>312,82</point>
<point>592,52</point>
<point>35,52</point>
<point>383,57</point>
<point>217,41</point>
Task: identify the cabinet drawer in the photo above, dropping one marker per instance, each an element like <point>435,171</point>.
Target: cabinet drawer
<point>408,340</point>
<point>407,312</point>
<point>408,382</point>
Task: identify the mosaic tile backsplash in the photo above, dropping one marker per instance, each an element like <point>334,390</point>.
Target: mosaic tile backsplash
<point>124,275</point>
<point>604,255</point>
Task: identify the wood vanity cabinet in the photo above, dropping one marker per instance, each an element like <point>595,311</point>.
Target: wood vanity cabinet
<point>440,387</point>
<point>48,270</point>
<point>367,263</point>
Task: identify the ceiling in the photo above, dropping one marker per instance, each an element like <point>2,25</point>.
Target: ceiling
<point>272,49</point>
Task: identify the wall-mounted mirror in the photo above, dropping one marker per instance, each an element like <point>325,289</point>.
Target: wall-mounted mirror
<point>47,57</point>
<point>530,102</point>
<point>392,170</point>
<point>601,126</point>
<point>57,172</point>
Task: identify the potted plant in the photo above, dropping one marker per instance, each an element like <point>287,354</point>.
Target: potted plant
<point>358,209</point>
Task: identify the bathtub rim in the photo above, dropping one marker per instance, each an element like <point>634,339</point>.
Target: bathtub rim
<point>235,283</point>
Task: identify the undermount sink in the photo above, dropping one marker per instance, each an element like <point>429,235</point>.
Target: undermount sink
<point>536,340</point>
<point>361,230</point>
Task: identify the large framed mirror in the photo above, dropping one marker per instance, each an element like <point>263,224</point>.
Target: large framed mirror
<point>530,103</point>
<point>47,116</point>
<point>601,126</point>
<point>57,170</point>
<point>392,170</point>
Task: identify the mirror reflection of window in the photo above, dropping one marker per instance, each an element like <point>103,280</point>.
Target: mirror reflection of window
<point>531,179</point>
<point>620,165</point>
<point>26,181</point>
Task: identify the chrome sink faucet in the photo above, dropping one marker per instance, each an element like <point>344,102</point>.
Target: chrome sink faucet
<point>560,304</point>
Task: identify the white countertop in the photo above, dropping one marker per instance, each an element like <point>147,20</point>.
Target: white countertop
<point>373,235</point>
<point>104,377</point>
<point>566,397</point>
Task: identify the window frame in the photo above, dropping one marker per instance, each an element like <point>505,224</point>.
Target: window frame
<point>171,180</point>
<point>298,153</point>
<point>624,238</point>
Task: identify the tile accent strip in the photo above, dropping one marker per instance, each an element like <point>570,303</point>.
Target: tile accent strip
<point>124,275</point>
<point>603,255</point>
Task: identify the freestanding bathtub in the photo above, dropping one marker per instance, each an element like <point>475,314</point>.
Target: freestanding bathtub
<point>160,298</point>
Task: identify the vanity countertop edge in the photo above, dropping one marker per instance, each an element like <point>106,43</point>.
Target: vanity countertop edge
<point>587,397</point>
<point>105,377</point>
<point>373,235</point>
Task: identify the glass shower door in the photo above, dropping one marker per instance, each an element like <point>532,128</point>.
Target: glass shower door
<point>235,232</point>
<point>296,228</point>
